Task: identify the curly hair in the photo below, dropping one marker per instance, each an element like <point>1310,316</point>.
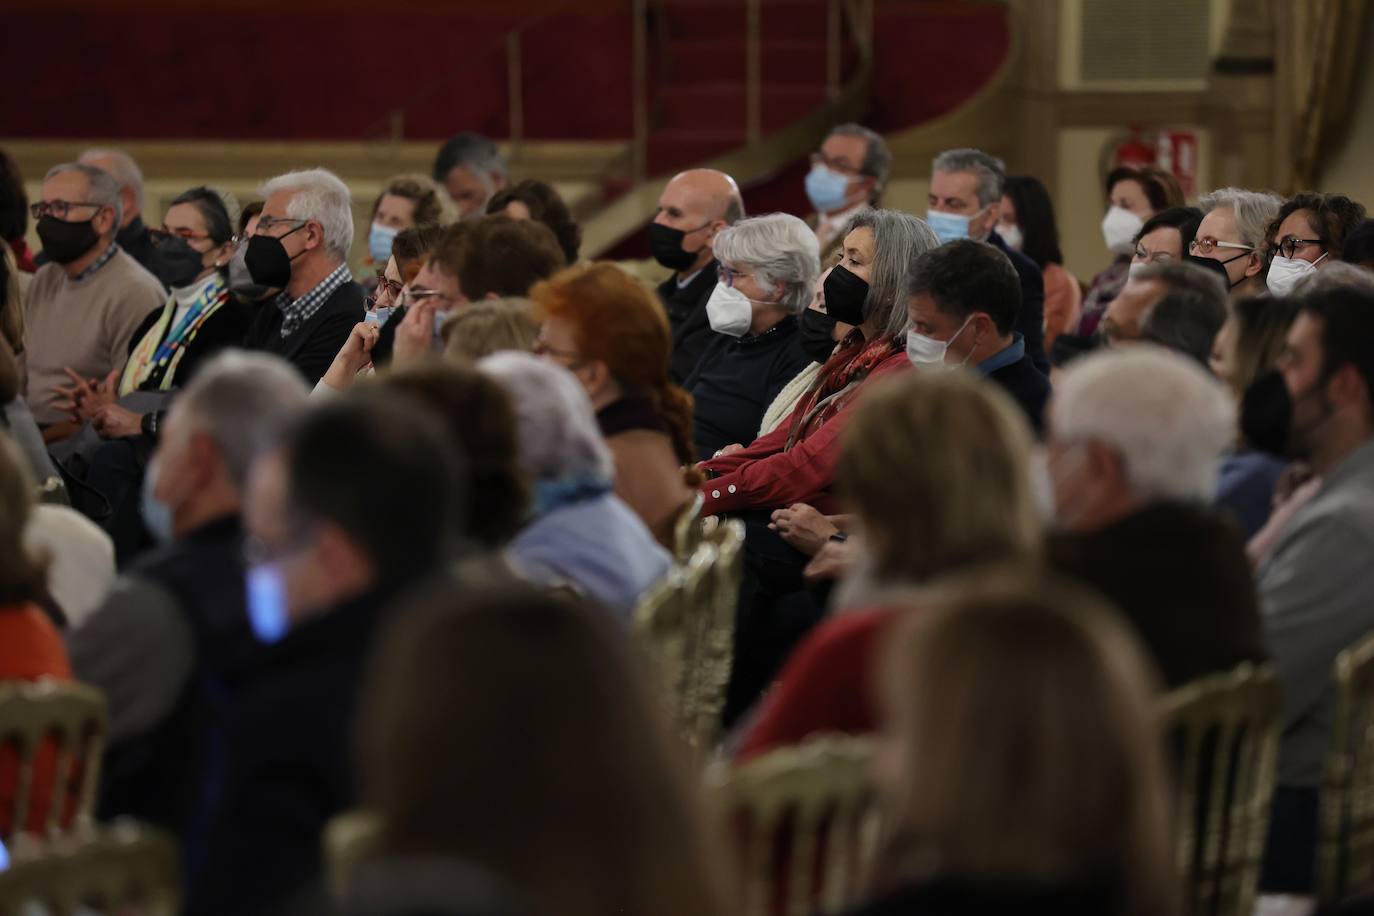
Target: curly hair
<point>547,207</point>
<point>432,205</point>
<point>1161,188</point>
<point>1334,216</point>
<point>618,321</point>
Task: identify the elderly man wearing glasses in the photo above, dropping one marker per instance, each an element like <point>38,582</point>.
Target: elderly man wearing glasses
<point>847,175</point>
<point>1232,232</point>
<point>86,302</point>
<point>299,247</point>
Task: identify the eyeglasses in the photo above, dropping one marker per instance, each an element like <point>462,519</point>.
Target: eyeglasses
<point>1158,257</point>
<point>1207,244</point>
<point>729,275</point>
<point>160,235</point>
<point>1289,246</point>
<point>835,165</point>
<point>59,208</point>
<point>387,285</point>
<point>268,223</point>
<point>414,296</point>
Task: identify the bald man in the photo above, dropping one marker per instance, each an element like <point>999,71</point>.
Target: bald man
<point>693,207</point>
<point>133,235</point>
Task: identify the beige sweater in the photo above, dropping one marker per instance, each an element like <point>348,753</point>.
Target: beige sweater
<point>83,324</point>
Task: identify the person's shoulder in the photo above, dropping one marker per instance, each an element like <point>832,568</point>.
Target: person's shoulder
<point>125,267</point>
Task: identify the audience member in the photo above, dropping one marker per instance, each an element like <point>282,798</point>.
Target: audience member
<point>14,213</point>
<point>1180,306</point>
<point>299,246</point>
<point>1165,237</point>
<point>458,771</point>
<point>1135,193</point>
<point>175,624</point>
<point>489,327</point>
<point>965,200</point>
<point>406,201</point>
<point>580,534</point>
<point>796,462</point>
<point>1233,233</point>
<point>241,282</point>
<point>962,299</point>
<point>81,556</point>
<point>1026,223</point>
<point>963,498</point>
<point>1315,583</point>
<point>694,207</point>
<point>540,202</point>
<point>1245,356</point>
<point>1308,232</point>
<point>1038,790</point>
<point>471,169</point>
<point>820,333</point>
<point>326,557</point>
<point>1359,246</point>
<point>603,326</point>
<point>768,266</point>
<point>134,236</point>
<point>84,306</point>
<point>848,174</point>
<point>1135,439</point>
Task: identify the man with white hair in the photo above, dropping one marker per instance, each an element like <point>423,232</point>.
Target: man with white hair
<point>1135,440</point>
<point>965,202</point>
<point>180,608</point>
<point>133,236</point>
<point>299,247</point>
<point>84,305</point>
<point>472,170</point>
<point>1232,232</point>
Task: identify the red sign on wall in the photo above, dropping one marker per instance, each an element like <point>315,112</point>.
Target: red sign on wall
<point>1175,151</point>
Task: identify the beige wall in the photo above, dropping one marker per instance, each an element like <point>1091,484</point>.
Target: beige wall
<point>1350,169</point>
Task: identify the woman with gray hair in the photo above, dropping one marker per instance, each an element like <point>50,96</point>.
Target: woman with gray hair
<point>580,534</point>
<point>768,265</point>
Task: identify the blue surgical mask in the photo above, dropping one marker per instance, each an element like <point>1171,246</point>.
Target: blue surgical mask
<point>825,188</point>
<point>439,319</point>
<point>378,317</point>
<point>266,594</point>
<point>949,227</point>
<point>379,242</point>
<point>157,516</point>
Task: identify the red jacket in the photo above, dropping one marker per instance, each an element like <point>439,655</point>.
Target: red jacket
<point>769,475</point>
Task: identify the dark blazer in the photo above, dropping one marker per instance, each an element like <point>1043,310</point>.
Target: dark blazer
<point>687,316</point>
<point>315,344</point>
<point>1030,320</point>
<point>1179,574</point>
<point>1029,386</point>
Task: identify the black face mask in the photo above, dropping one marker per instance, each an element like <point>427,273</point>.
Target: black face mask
<point>178,263</point>
<point>666,243</point>
<point>268,263</point>
<point>64,242</point>
<point>241,282</point>
<point>1266,415</point>
<point>845,295</point>
<point>1217,267</point>
<point>817,335</point>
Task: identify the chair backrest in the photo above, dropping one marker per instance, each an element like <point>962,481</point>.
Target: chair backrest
<point>1224,733</point>
<point>687,529</point>
<point>122,868</point>
<point>348,839</point>
<point>1345,851</point>
<point>72,718</point>
<point>659,625</point>
<point>713,620</point>
<point>804,823</point>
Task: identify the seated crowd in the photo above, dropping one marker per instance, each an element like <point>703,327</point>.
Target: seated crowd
<point>328,545</point>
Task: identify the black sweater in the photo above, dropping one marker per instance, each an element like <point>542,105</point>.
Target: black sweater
<point>687,316</point>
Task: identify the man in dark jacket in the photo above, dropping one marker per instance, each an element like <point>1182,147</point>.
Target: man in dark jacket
<point>694,206</point>
<point>299,246</point>
<point>174,632</point>
<point>360,501</point>
<point>963,299</point>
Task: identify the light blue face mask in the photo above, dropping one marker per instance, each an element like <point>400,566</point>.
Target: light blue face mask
<point>378,316</point>
<point>266,594</point>
<point>949,227</point>
<point>157,516</point>
<point>439,319</point>
<point>825,188</point>
<point>379,242</point>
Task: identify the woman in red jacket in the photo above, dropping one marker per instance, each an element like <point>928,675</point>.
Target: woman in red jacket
<point>796,462</point>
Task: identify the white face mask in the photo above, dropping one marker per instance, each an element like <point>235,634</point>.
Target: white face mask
<point>928,353</point>
<point>729,311</point>
<point>1119,229</point>
<point>1012,236</point>
<point>1284,273</point>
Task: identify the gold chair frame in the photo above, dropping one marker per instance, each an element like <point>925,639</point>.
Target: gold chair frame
<point>122,868</point>
<point>1345,846</point>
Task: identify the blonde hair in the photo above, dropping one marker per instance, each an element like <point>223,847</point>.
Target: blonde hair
<point>937,467</point>
<point>488,327</point>
<point>1018,711</point>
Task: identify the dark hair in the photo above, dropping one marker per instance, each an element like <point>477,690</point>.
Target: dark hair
<point>14,201</point>
<point>507,256</point>
<point>251,209</point>
<point>1035,216</point>
<point>547,207</point>
<point>1359,245</point>
<point>386,474</point>
<point>23,572</point>
<point>1347,316</point>
<point>479,420</point>
<point>1334,216</point>
<point>964,277</point>
<point>412,246</point>
<point>467,149</point>
<point>1184,219</point>
<point>1161,188</point>
<point>427,197</point>
<point>211,207</point>
<point>1192,310</point>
